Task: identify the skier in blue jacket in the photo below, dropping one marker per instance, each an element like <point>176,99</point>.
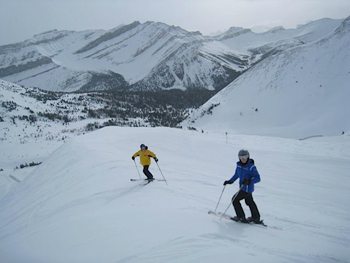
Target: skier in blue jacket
<point>248,176</point>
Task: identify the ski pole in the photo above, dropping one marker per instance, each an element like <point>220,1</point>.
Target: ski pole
<point>219,198</point>
<point>233,199</point>
<point>137,169</point>
<point>161,173</point>
<point>225,211</point>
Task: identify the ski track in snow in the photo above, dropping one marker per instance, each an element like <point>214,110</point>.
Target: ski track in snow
<point>79,205</point>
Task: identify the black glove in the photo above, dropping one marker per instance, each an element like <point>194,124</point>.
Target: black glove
<point>156,159</point>
<point>227,182</point>
<point>246,181</point>
<point>133,158</point>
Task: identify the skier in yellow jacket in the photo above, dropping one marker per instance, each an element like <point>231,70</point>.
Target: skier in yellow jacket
<point>145,160</point>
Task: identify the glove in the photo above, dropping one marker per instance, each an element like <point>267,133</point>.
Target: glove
<point>246,181</point>
<point>156,159</point>
<point>133,158</point>
<point>227,182</point>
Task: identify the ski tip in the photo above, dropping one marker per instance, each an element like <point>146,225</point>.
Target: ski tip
<point>262,223</point>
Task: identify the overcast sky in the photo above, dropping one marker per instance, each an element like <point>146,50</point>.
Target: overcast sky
<point>21,19</point>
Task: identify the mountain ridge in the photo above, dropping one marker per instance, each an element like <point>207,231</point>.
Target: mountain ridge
<point>146,56</point>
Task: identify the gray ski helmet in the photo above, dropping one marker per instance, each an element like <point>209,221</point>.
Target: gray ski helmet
<point>143,146</point>
<point>243,153</point>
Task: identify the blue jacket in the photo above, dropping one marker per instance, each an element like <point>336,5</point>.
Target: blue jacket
<point>244,171</point>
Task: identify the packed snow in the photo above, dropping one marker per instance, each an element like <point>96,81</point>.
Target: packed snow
<point>80,206</point>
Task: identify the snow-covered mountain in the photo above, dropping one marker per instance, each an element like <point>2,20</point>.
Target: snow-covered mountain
<point>139,56</point>
<point>79,205</point>
<point>244,40</point>
<point>145,56</point>
<point>302,91</point>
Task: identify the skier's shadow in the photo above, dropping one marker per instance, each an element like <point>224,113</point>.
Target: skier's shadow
<point>228,229</point>
<point>111,195</point>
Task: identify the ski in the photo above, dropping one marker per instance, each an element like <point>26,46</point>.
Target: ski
<point>222,215</point>
<point>147,182</point>
<point>137,180</point>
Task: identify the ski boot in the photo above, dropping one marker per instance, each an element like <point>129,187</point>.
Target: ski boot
<point>254,220</point>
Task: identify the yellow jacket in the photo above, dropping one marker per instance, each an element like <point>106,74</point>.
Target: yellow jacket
<point>145,156</point>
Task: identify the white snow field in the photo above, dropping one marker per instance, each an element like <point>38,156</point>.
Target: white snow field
<point>79,205</point>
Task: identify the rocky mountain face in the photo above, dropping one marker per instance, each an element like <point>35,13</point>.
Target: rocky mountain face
<point>149,56</point>
<point>145,56</point>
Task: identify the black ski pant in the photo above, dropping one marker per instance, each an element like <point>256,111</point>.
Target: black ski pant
<point>248,198</point>
<point>147,172</point>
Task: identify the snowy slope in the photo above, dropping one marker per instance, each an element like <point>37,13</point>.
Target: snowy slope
<point>32,115</point>
<point>300,92</point>
<point>79,205</point>
<point>29,115</point>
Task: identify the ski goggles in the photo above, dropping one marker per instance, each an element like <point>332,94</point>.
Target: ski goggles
<point>244,157</point>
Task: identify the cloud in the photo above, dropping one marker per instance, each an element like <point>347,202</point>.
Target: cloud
<point>20,19</point>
